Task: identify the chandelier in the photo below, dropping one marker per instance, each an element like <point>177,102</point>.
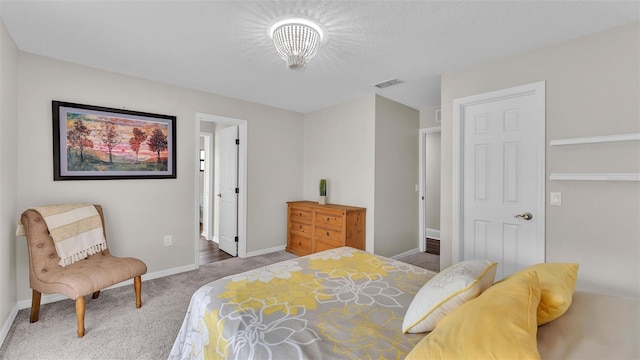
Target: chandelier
<point>296,41</point>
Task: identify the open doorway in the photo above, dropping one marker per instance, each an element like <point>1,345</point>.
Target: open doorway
<point>221,157</point>
<point>430,190</point>
<point>208,244</point>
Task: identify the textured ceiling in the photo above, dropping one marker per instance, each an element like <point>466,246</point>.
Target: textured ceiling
<point>223,47</point>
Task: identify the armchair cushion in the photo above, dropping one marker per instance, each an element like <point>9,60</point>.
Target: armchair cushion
<point>87,276</point>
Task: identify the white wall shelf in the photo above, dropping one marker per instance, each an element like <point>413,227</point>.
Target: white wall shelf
<point>596,176</point>
<point>596,139</point>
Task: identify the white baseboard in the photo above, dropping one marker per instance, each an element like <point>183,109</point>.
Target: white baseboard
<point>7,324</point>
<point>161,273</point>
<point>406,253</point>
<point>432,233</point>
<point>266,251</point>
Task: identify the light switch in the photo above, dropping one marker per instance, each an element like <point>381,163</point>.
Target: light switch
<point>556,199</point>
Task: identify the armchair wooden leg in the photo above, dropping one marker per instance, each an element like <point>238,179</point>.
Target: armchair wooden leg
<point>95,294</point>
<point>35,306</point>
<point>137,285</point>
<point>80,315</point>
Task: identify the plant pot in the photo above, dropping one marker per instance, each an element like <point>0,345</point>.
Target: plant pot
<point>323,200</point>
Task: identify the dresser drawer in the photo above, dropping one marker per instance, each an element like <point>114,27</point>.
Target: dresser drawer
<point>326,244</point>
<point>302,215</point>
<point>327,233</point>
<point>299,243</point>
<point>298,226</point>
<point>331,219</point>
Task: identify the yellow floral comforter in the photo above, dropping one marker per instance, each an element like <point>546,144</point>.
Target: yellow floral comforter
<point>340,303</point>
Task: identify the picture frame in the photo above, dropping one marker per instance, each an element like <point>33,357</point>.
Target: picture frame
<point>99,143</point>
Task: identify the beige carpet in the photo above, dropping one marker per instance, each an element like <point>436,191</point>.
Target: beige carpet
<point>115,329</point>
<point>424,260</point>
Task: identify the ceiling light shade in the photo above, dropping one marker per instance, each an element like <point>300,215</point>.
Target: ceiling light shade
<point>296,40</point>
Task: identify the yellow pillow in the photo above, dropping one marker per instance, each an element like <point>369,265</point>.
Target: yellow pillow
<point>498,324</point>
<point>445,292</point>
<point>557,282</point>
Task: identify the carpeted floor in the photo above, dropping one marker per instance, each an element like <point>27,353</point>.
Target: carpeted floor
<point>115,329</point>
<point>424,260</point>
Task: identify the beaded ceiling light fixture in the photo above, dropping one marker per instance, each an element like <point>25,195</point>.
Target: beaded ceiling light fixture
<point>296,40</point>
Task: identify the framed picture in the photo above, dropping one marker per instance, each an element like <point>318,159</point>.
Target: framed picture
<point>98,143</point>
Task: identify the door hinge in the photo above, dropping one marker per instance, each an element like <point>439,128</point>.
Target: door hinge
<point>237,141</point>
<point>236,239</point>
<point>237,190</point>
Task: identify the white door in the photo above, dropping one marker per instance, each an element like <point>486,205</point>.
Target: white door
<point>502,182</point>
<point>228,178</point>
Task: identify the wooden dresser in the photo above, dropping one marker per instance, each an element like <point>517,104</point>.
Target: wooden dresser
<point>313,227</point>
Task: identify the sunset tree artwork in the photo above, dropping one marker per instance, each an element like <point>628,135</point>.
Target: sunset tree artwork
<point>105,143</point>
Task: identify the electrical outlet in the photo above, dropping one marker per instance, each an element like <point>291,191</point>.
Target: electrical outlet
<point>168,240</point>
<point>555,199</point>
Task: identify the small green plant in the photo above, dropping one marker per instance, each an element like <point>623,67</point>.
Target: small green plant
<point>323,187</point>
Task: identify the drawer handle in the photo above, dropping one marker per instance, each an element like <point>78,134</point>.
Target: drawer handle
<point>300,214</point>
<point>327,219</point>
<point>300,243</point>
<point>300,226</point>
<point>327,233</point>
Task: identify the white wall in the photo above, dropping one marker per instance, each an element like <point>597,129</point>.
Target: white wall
<point>339,145</point>
<point>368,151</point>
<point>140,212</point>
<point>428,117</point>
<point>396,177</point>
<point>8,179</point>
<point>592,88</point>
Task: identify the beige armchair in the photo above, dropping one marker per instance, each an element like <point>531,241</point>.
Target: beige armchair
<point>79,279</point>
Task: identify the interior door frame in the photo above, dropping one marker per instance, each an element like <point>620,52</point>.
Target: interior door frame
<point>536,89</point>
<point>242,179</point>
<point>422,246</point>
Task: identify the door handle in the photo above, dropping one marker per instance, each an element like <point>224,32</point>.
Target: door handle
<point>219,195</point>
<point>526,216</point>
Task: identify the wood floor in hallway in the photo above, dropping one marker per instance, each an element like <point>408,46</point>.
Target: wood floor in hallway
<point>210,252</point>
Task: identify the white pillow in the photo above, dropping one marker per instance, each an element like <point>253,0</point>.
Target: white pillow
<point>445,292</point>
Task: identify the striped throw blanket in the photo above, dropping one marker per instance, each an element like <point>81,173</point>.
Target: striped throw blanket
<point>76,230</point>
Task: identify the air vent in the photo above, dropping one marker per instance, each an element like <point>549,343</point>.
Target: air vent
<point>387,83</point>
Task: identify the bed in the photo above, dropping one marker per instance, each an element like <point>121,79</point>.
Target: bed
<point>325,305</point>
<point>349,304</point>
